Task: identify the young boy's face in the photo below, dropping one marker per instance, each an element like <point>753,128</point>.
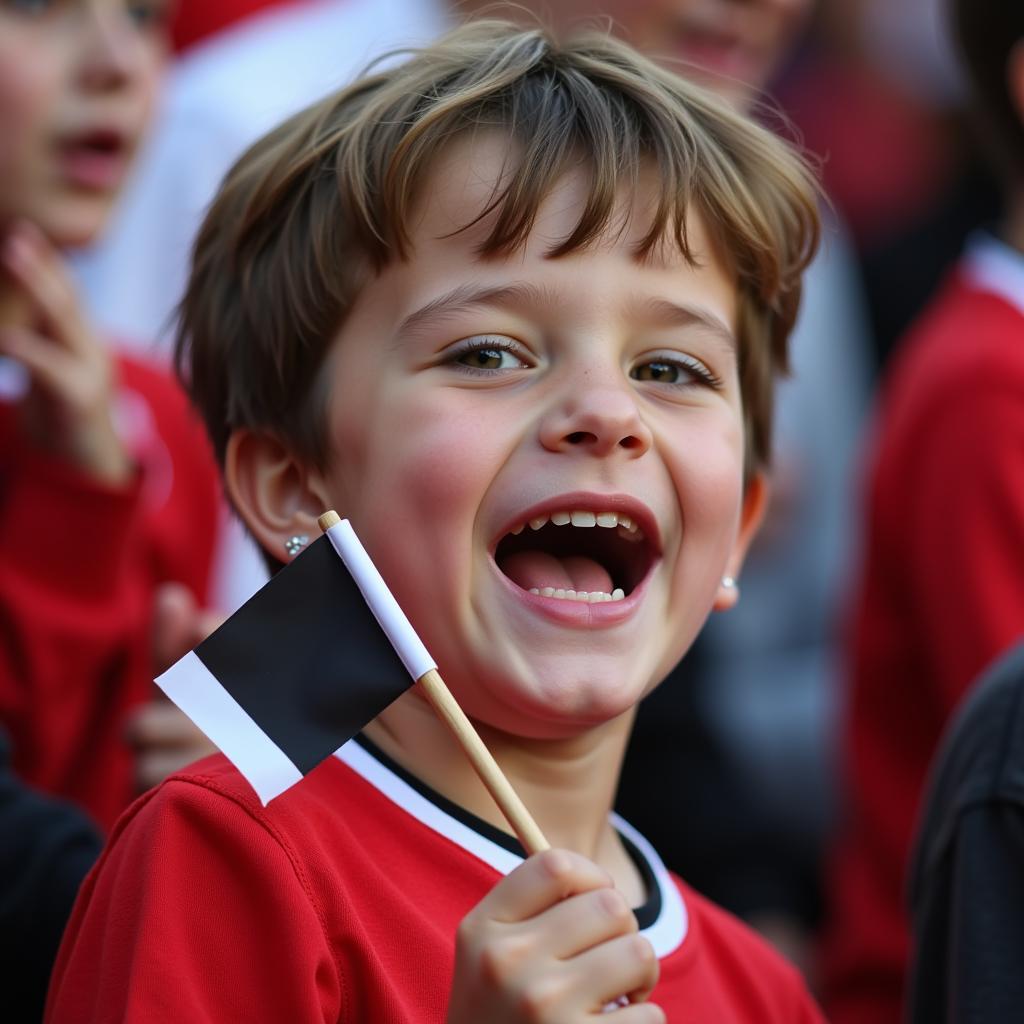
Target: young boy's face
<point>77,83</point>
<point>473,400</point>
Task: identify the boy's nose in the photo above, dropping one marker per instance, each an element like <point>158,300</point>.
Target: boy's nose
<point>597,421</point>
<point>111,48</point>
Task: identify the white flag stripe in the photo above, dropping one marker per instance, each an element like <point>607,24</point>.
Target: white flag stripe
<point>381,601</point>
<point>191,685</point>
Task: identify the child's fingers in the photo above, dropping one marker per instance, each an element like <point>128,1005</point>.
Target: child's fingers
<point>164,740</point>
<point>70,412</point>
<point>39,270</point>
<point>540,882</point>
<point>160,724</point>
<point>635,1013</point>
<point>626,964</point>
<point>581,922</point>
<point>174,612</point>
<point>152,768</point>
<point>52,369</point>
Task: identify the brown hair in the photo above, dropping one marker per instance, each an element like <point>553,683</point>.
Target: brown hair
<point>325,200</point>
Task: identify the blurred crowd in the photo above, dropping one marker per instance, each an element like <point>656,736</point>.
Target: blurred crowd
<point>790,750</point>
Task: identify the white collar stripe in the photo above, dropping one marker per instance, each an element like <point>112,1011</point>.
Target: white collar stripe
<point>399,792</point>
<point>665,934</point>
<point>669,930</point>
<point>995,267</point>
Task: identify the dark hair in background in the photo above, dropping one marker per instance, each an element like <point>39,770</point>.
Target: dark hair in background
<point>986,33</point>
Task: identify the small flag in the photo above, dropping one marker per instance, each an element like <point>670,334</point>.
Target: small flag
<point>302,666</point>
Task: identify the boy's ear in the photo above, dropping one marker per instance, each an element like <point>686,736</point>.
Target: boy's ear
<point>277,494</point>
<point>755,502</point>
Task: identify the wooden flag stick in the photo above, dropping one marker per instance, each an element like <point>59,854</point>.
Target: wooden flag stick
<point>483,761</point>
<point>491,775</point>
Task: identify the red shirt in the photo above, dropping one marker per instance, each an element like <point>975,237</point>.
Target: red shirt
<point>941,595</point>
<point>79,562</point>
<point>340,902</point>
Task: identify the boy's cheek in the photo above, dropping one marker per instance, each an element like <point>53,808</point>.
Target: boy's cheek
<point>411,448</point>
<point>20,112</point>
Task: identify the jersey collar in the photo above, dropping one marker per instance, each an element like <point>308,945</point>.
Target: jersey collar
<point>666,932</point>
<point>993,266</point>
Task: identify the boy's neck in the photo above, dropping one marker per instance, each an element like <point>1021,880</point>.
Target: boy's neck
<point>567,785</point>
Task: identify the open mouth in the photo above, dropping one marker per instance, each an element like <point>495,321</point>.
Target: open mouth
<point>586,555</point>
<point>100,142</point>
<point>95,159</point>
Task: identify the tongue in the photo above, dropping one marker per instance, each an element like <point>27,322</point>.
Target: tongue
<point>538,569</point>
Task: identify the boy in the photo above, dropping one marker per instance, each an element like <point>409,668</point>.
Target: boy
<point>514,308</point>
<point>942,592</point>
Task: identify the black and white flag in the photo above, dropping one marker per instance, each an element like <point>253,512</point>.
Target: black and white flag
<point>302,666</point>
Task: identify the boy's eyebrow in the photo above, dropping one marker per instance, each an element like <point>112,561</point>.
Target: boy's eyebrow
<point>468,296</point>
<point>672,314</point>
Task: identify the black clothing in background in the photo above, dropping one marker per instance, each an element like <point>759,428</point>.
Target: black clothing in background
<point>967,880</point>
<point>46,849</point>
<point>901,274</point>
<point>680,788</point>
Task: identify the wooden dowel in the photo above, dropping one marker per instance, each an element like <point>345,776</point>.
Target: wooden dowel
<point>448,710</point>
<point>483,762</point>
<point>328,519</point>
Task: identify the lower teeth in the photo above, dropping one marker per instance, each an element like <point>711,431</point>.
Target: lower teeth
<point>594,597</point>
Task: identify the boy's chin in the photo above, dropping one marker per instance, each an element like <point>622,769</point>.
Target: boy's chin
<point>552,709</point>
<point>74,222</point>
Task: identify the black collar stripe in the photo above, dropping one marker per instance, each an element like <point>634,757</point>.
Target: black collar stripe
<point>663,919</point>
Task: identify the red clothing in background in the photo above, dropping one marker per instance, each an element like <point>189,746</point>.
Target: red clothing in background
<point>339,902</point>
<point>942,594</point>
<point>79,563</point>
<point>194,20</point>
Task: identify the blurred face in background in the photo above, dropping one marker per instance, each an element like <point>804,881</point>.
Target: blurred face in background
<point>735,46</point>
<point>78,79</point>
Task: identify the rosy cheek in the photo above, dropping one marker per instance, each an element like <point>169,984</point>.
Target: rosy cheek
<point>708,476</point>
<point>419,452</point>
<point>450,459</point>
<point>22,104</point>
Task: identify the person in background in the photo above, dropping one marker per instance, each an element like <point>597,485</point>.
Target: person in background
<point>108,491</point>
<point>966,892</point>
<point>46,848</point>
<point>879,91</point>
<point>941,591</point>
<point>220,95</point>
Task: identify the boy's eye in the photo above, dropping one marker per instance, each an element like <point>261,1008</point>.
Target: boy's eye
<point>666,373</point>
<point>488,354</point>
<point>28,7</point>
<point>148,13</point>
<point>681,372</point>
<point>488,359</point>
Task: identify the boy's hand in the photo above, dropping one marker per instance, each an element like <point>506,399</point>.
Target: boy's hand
<point>179,624</point>
<point>69,408</point>
<point>164,738</point>
<point>553,943</point>
<point>165,741</point>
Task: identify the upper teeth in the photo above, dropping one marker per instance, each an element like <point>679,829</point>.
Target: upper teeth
<point>579,517</point>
